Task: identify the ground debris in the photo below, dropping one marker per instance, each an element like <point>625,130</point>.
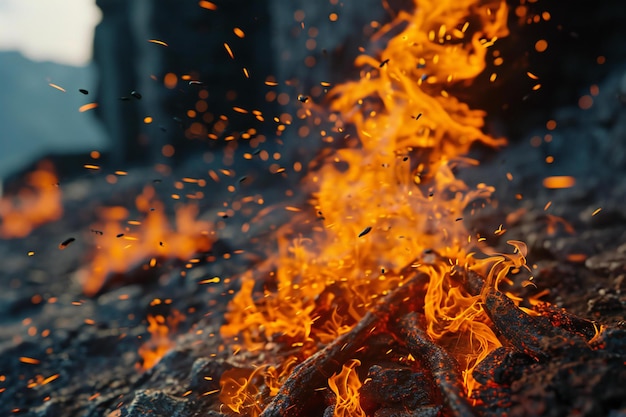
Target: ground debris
<point>148,403</point>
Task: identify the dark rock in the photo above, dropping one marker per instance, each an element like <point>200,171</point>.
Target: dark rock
<point>205,374</point>
<point>392,387</point>
<point>610,261</point>
<point>425,411</point>
<point>605,303</point>
<point>501,366</point>
<point>48,409</point>
<point>148,403</point>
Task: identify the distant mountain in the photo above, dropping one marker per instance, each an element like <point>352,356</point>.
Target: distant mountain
<point>38,120</point>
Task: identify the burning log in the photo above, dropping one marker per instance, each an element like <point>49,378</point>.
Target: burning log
<point>395,388</point>
<point>559,317</point>
<point>534,336</point>
<point>444,369</point>
<point>314,372</point>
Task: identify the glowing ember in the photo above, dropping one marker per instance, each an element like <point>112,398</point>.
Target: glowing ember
<point>559,182</point>
<point>87,107</point>
<point>160,329</point>
<point>390,202</point>
<point>36,204</point>
<point>122,247</point>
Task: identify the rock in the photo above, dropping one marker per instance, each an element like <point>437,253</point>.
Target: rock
<point>148,403</point>
<point>205,374</point>
<point>395,387</point>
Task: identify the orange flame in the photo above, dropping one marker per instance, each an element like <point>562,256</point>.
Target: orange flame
<point>160,342</point>
<point>36,204</point>
<point>122,247</point>
<point>239,391</point>
<point>392,200</point>
<point>346,385</point>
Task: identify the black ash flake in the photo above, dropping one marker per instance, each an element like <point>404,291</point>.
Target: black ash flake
<point>136,94</point>
<point>383,63</point>
<point>66,243</point>
<point>83,91</point>
<point>365,231</point>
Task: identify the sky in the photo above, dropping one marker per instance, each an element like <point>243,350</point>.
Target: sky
<point>60,31</point>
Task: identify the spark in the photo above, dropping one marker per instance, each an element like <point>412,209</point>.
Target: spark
<point>58,87</point>
<point>559,181</point>
<point>207,5</point>
<point>230,52</point>
<point>158,42</point>
<point>88,106</point>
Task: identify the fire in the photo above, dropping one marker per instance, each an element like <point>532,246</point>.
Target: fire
<point>389,200</point>
<point>345,385</point>
<point>160,342</point>
<point>36,204</point>
<point>120,248</point>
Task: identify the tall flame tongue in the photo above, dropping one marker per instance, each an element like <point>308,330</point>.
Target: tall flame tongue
<point>391,200</point>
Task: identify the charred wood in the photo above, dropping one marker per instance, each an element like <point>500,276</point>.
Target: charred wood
<point>314,372</point>
<point>444,369</point>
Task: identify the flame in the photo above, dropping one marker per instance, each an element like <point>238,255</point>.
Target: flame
<point>122,247</point>
<point>36,204</point>
<point>390,200</point>
<point>346,385</point>
<point>239,391</point>
<point>160,342</point>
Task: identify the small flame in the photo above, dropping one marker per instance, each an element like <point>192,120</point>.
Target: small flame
<point>346,385</point>
<point>239,391</point>
<point>39,202</point>
<point>160,329</point>
<point>120,247</point>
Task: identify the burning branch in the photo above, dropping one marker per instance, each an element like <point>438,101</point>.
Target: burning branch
<point>313,373</point>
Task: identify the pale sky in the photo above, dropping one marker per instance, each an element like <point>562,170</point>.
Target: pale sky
<point>49,30</point>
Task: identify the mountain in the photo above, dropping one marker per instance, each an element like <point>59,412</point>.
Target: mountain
<point>38,120</point>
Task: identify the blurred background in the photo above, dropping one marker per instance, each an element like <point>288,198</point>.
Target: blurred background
<point>42,43</point>
<point>171,77</point>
